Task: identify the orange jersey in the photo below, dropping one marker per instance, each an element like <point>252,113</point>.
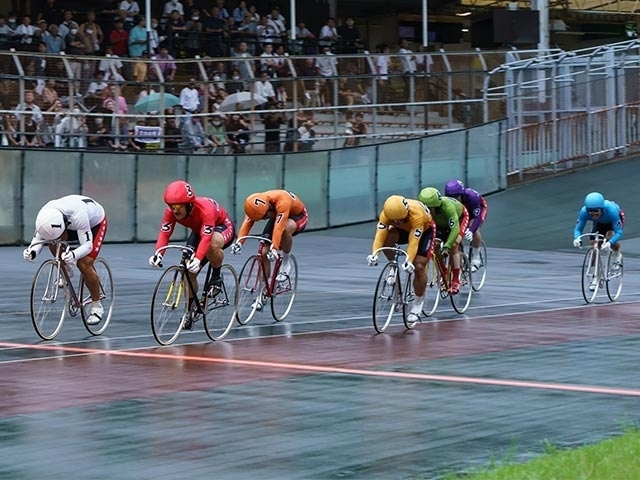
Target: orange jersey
<point>286,205</point>
<point>416,224</point>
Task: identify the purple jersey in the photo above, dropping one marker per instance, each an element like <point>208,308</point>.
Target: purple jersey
<point>476,205</point>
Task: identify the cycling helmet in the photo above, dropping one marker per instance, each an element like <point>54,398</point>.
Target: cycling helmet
<point>454,188</point>
<point>256,206</point>
<point>50,223</point>
<point>396,208</point>
<point>594,200</point>
<point>179,192</point>
<point>431,197</point>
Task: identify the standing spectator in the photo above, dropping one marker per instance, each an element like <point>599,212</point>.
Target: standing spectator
<point>119,39</point>
<point>53,41</point>
<point>155,38</point>
<point>12,25</point>
<point>42,31</point>
<point>214,26</point>
<point>310,87</point>
<point>172,136</point>
<point>5,33</point>
<point>50,13</point>
<point>175,28</point>
<point>277,21</point>
<point>328,33</point>
<point>172,5</point>
<point>349,36</point>
<point>141,68</point>
<point>25,33</point>
<point>408,61</point>
<point>382,63</point>
<point>194,27</point>
<point>74,46</point>
<point>266,31</point>
<point>138,37</point>
<point>129,9</point>
<point>63,28</point>
<point>40,67</point>
<point>272,122</point>
<point>222,11</point>
<point>190,97</point>
<point>165,64</point>
<point>327,66</point>
<point>111,65</point>
<point>91,34</point>
<point>242,63</point>
<point>239,12</point>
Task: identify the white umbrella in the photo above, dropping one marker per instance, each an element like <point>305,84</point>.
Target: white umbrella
<point>241,101</point>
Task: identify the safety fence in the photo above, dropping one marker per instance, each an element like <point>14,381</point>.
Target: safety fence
<point>339,187</point>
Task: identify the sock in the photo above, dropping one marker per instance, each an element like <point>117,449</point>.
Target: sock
<point>96,307</point>
<point>285,257</point>
<point>215,273</point>
<point>416,306</point>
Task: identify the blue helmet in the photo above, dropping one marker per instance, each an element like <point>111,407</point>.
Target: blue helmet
<point>594,200</point>
<point>453,188</point>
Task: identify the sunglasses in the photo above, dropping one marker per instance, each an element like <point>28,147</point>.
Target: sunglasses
<point>594,210</point>
<point>176,207</point>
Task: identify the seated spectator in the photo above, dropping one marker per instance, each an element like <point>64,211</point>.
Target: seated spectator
<point>31,132</point>
<point>71,131</point>
<point>26,34</point>
<point>264,88</point>
<point>11,136</point>
<point>165,64</point>
<point>217,133</point>
<point>98,135</point>
<point>91,34</point>
<point>111,65</point>
<point>194,139</point>
<point>30,105</point>
<point>272,120</point>
<point>235,84</point>
<point>238,134</point>
<point>309,83</point>
<point>190,97</point>
<point>49,93</point>
<point>172,135</point>
<point>94,92</point>
<point>354,128</point>
<point>328,33</point>
<point>194,28</point>
<point>266,32</point>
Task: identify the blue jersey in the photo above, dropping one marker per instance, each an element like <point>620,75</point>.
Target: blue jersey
<point>612,214</point>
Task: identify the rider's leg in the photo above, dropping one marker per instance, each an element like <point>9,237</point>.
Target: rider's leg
<point>419,283</point>
<point>215,255</point>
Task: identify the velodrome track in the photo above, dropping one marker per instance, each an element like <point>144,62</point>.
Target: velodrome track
<point>321,396</point>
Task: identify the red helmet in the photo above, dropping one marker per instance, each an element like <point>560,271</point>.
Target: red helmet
<point>179,192</point>
<point>256,206</point>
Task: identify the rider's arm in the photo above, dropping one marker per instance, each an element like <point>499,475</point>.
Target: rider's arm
<point>166,229</point>
<point>36,248</point>
<point>245,228</point>
<point>478,210</point>
<point>382,230</point>
<point>453,223</point>
<point>206,232</point>
<point>580,223</point>
<point>415,234</point>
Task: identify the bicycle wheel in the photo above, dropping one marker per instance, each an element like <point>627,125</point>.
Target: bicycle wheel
<point>221,307</point>
<point>590,275</point>
<point>386,299</point>
<point>615,271</point>
<point>250,289</point>
<point>49,299</point>
<point>480,272</point>
<point>407,300</point>
<point>461,300</point>
<point>432,292</point>
<point>285,291</point>
<point>169,305</point>
<point>107,298</point>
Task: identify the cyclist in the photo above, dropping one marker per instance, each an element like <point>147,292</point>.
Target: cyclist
<point>608,220</point>
<point>74,218</point>
<point>286,216</point>
<point>406,221</point>
<point>211,232</point>
<point>476,206</point>
<point>451,219</point>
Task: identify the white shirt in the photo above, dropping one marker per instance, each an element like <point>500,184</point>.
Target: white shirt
<point>107,62</point>
<point>265,89</point>
<point>382,66</point>
<point>408,65</point>
<point>326,64</point>
<point>189,99</point>
<point>81,214</point>
<point>170,7</point>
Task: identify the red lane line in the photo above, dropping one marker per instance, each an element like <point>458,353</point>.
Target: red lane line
<point>344,371</point>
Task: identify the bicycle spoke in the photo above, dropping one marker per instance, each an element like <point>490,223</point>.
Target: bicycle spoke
<point>615,272</point>
<point>461,300</point>
<point>385,299</point>
<point>168,306</point>
<point>107,298</point>
<point>220,305</point>
<point>591,275</point>
<point>284,291</point>
<point>250,289</point>
<point>49,300</point>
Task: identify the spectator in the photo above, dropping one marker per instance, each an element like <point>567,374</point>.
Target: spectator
<point>264,88</point>
<point>217,135</point>
<point>141,68</point>
<point>31,133</point>
<point>327,66</point>
<point>111,65</point>
<point>293,135</point>
<point>350,88</point>
<point>49,93</point>
<point>222,11</point>
<point>277,21</point>
<point>119,39</point>
<point>194,28</point>
<point>190,97</point>
<point>91,34</point>
<point>171,6</point>
<point>42,31</point>
<point>235,84</point>
<point>408,61</point>
<point>328,33</point>
<point>175,28</point>
<point>272,121</point>
<point>165,64</point>
<point>214,26</point>
<point>98,134</point>
<point>138,37</point>
<point>247,32</point>
<point>12,25</point>
<point>54,41</point>
<point>241,62</point>
<point>155,38</point>
<point>5,34</point>
<point>26,33</point>
<point>382,63</point>
<point>29,104</point>
<point>349,36</point>
<point>308,75</point>
<point>63,28</point>
<point>129,9</point>
<point>255,16</point>
<point>268,60</point>
<point>172,136</point>
<point>354,127</point>
<point>11,136</point>
<point>266,32</point>
<point>194,140</point>
<point>238,134</point>
<point>40,67</point>
<point>191,5</point>
<point>50,13</point>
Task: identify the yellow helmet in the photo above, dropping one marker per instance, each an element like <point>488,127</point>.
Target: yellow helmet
<point>396,207</point>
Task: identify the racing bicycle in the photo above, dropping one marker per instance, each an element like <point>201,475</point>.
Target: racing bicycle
<point>393,293</point>
<point>53,295</point>
<point>170,305</point>
<point>600,270</point>
<point>479,273</point>
<point>259,284</point>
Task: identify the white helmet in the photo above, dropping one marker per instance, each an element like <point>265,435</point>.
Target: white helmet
<point>50,223</point>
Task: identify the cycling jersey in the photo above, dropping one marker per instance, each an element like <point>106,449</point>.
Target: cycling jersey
<point>611,215</point>
<point>476,206</point>
<point>203,218</point>
<point>452,217</point>
<point>81,214</point>
<point>417,223</point>
<point>286,205</point>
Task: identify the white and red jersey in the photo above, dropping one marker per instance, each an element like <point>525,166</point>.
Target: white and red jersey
<point>81,214</point>
<point>203,218</point>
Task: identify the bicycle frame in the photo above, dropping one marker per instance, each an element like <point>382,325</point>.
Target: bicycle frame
<point>269,281</point>
<point>61,271</point>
